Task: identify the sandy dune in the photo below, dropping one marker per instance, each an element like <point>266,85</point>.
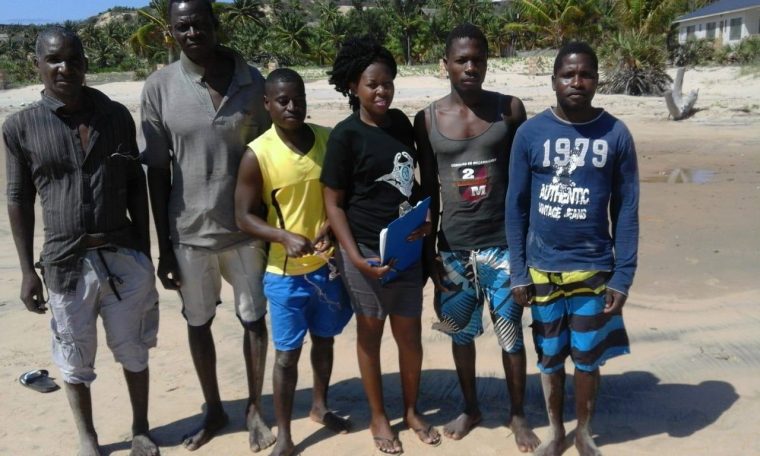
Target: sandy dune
<point>689,388</point>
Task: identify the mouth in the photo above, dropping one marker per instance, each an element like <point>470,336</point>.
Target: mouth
<point>381,102</point>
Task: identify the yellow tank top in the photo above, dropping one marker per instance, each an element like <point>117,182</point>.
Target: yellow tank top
<point>292,193</point>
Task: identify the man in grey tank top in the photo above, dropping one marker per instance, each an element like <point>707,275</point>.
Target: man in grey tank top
<point>464,141</point>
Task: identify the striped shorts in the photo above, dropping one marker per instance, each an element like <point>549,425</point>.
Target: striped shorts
<point>476,276</point>
<point>568,319</point>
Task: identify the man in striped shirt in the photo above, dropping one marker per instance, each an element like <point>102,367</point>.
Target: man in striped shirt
<point>76,148</point>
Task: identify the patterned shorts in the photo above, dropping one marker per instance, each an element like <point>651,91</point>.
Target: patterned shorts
<point>476,276</point>
<point>568,319</point>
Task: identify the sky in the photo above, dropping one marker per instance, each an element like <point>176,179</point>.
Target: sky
<point>47,11</point>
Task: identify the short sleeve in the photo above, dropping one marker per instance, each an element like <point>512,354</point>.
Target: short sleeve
<point>157,143</point>
<point>336,170</point>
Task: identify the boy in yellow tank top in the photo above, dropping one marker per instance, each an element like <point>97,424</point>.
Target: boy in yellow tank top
<point>280,171</point>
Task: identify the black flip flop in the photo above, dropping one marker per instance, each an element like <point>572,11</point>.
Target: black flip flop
<point>38,380</point>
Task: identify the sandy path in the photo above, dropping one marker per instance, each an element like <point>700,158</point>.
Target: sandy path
<point>689,387</point>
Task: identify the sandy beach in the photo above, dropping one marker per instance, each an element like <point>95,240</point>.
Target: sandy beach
<point>690,386</point>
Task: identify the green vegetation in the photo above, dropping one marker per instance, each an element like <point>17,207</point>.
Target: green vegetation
<point>630,35</point>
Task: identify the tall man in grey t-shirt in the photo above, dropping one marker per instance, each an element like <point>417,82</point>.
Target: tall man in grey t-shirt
<point>198,114</point>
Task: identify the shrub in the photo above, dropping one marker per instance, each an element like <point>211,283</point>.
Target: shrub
<point>694,52</point>
<point>633,63</point>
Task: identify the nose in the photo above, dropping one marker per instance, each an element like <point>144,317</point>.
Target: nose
<point>192,31</point>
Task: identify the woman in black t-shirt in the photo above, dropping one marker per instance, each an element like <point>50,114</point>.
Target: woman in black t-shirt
<point>368,175</point>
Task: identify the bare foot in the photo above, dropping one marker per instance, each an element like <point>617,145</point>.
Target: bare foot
<point>385,440</point>
<point>526,439</point>
<point>284,447</point>
<point>425,432</point>
<point>585,443</point>
<point>88,445</point>
<point>331,421</point>
<point>259,434</point>
<point>554,446</point>
<point>209,427</point>
<point>460,426</point>
<point>142,445</point>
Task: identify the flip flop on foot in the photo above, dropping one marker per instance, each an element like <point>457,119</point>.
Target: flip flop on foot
<point>38,380</point>
<point>333,422</point>
<point>428,435</point>
<point>388,445</point>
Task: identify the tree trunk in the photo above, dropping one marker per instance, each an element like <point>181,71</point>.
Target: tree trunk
<point>679,105</point>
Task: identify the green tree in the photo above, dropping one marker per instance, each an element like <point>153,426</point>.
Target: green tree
<point>406,19</point>
<point>289,32</point>
<point>154,39</point>
<point>555,22</point>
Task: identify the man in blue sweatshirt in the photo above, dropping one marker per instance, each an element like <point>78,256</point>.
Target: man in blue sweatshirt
<point>572,228</point>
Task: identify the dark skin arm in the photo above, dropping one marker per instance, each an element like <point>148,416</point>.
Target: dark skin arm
<point>614,301</point>
<point>247,203</point>
<point>21,218</point>
<point>160,185</point>
<point>430,186</point>
<point>137,202</point>
<point>334,200</point>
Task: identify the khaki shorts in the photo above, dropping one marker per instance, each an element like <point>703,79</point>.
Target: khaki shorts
<point>202,271</point>
<point>131,323</point>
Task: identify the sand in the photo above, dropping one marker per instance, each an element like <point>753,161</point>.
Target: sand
<point>688,388</point>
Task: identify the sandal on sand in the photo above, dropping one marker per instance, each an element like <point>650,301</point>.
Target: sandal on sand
<point>38,380</point>
<point>394,445</point>
<point>424,433</point>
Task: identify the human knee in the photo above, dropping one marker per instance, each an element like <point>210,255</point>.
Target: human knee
<point>322,342</point>
<point>257,327</point>
<point>287,359</point>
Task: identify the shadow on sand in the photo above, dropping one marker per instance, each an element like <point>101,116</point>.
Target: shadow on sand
<point>632,405</point>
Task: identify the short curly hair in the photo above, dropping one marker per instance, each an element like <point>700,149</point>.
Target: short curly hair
<point>354,57</point>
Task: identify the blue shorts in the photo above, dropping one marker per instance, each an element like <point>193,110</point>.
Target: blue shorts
<point>310,302</point>
<point>569,320</point>
<point>477,276</point>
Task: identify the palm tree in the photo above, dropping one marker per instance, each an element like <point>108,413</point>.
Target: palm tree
<point>155,37</point>
<point>555,22</point>
<point>243,12</point>
<point>407,18</point>
<point>289,29</point>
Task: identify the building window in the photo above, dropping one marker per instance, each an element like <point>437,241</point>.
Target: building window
<point>711,30</point>
<point>689,32</point>
<point>735,31</point>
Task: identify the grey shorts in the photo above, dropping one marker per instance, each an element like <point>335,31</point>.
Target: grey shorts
<point>401,296</point>
<point>131,324</point>
<point>202,271</point>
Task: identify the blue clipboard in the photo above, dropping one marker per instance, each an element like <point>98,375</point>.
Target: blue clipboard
<point>393,243</point>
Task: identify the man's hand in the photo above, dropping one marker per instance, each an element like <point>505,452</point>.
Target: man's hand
<point>614,301</point>
<point>168,271</point>
<point>437,274</point>
<point>421,231</point>
<point>524,295</point>
<point>31,293</point>
<point>323,241</point>
<point>296,245</point>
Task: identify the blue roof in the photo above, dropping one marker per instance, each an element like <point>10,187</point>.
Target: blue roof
<point>719,7</point>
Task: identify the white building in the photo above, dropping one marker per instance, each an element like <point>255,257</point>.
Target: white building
<point>727,21</point>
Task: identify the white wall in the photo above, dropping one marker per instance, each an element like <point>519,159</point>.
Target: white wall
<point>750,26</point>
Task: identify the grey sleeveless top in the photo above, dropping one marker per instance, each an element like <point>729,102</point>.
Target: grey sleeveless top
<point>473,174</point>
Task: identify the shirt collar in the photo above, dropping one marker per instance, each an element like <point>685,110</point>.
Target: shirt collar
<point>94,100</point>
<point>196,72</point>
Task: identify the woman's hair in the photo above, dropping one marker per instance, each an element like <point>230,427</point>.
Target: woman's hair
<point>354,57</point>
